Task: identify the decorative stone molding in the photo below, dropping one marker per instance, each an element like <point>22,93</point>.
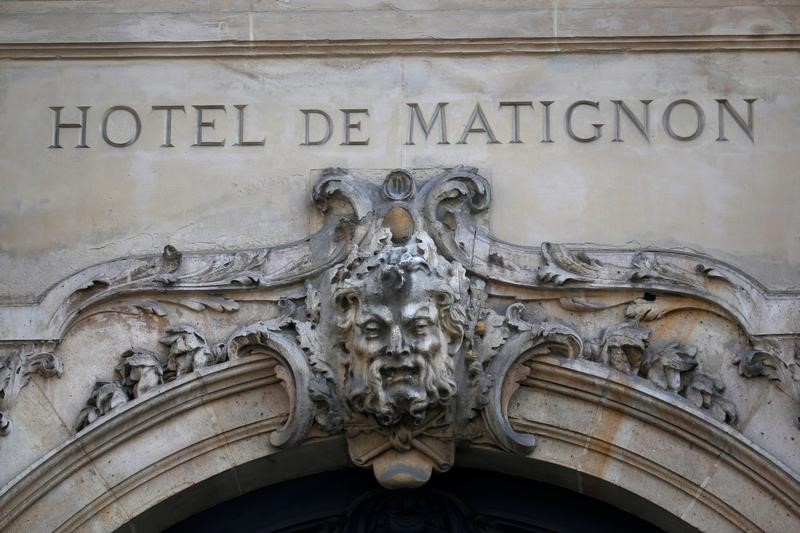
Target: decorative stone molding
<point>761,360</point>
<point>398,47</point>
<point>403,329</point>
<point>164,277</point>
<point>140,371</point>
<point>188,350</point>
<point>671,367</point>
<point>452,209</point>
<point>402,339</point>
<point>18,363</point>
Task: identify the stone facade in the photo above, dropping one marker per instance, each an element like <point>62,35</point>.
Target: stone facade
<point>557,244</point>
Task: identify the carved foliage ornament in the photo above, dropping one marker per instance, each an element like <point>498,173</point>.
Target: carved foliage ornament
<point>398,346</point>
<point>17,366</point>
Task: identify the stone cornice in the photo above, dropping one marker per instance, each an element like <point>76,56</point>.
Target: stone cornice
<point>239,20</point>
<point>395,47</point>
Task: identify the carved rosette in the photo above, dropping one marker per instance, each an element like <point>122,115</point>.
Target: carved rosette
<point>401,342</point>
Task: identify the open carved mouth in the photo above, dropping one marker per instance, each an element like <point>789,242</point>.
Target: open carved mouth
<point>400,373</point>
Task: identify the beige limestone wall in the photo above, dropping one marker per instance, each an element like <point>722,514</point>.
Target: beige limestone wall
<point>242,20</point>
<point>62,210</point>
<point>65,209</point>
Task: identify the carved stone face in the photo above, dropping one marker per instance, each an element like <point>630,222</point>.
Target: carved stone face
<point>398,341</point>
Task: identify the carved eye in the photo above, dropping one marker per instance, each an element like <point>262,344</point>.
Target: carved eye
<point>372,329</point>
<point>420,326</point>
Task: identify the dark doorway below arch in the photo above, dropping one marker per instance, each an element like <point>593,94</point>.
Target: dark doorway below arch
<point>463,500</point>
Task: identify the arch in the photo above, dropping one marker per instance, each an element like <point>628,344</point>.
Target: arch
<point>460,501</point>
<point>567,386</point>
<point>625,445</point>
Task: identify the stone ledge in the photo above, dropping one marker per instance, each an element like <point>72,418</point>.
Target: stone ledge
<point>99,22</point>
<point>396,47</point>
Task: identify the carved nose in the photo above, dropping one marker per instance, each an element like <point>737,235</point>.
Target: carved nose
<point>397,346</point>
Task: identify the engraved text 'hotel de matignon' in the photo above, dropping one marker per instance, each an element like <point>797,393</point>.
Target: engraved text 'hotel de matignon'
<point>582,121</point>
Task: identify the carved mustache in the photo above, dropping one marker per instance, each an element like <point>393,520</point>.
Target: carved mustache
<point>406,370</point>
<point>369,395</point>
<point>425,385</point>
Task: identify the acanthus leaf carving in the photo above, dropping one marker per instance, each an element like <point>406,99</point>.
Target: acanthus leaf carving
<point>622,346</point>
<point>153,307</point>
<point>490,333</point>
<point>202,272</point>
<point>271,337</point>
<point>526,339</point>
<point>17,366</point>
<point>590,305</point>
<point>672,367</point>
<point>668,366</point>
<point>761,359</point>
<point>458,190</point>
<point>202,302</point>
<point>255,335</point>
<point>322,384</point>
<point>221,270</point>
<point>755,362</point>
<point>339,182</point>
<point>647,266</point>
<point>189,350</point>
<point>563,265</point>
<point>449,202</point>
<point>139,371</point>
<point>705,392</point>
<point>397,343</point>
<point>157,306</point>
<point>198,303</point>
<point>106,396</point>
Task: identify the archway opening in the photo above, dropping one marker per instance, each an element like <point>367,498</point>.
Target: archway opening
<point>349,501</point>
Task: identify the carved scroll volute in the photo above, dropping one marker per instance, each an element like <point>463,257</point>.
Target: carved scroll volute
<point>526,340</point>
<point>451,201</point>
<point>339,182</point>
<point>265,338</point>
<point>460,189</point>
<point>761,360</point>
<point>16,369</point>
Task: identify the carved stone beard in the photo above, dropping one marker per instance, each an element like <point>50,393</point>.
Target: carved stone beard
<point>401,325</point>
<point>401,400</point>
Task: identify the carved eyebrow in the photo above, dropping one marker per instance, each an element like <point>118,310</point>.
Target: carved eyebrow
<point>380,314</point>
<point>423,311</point>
